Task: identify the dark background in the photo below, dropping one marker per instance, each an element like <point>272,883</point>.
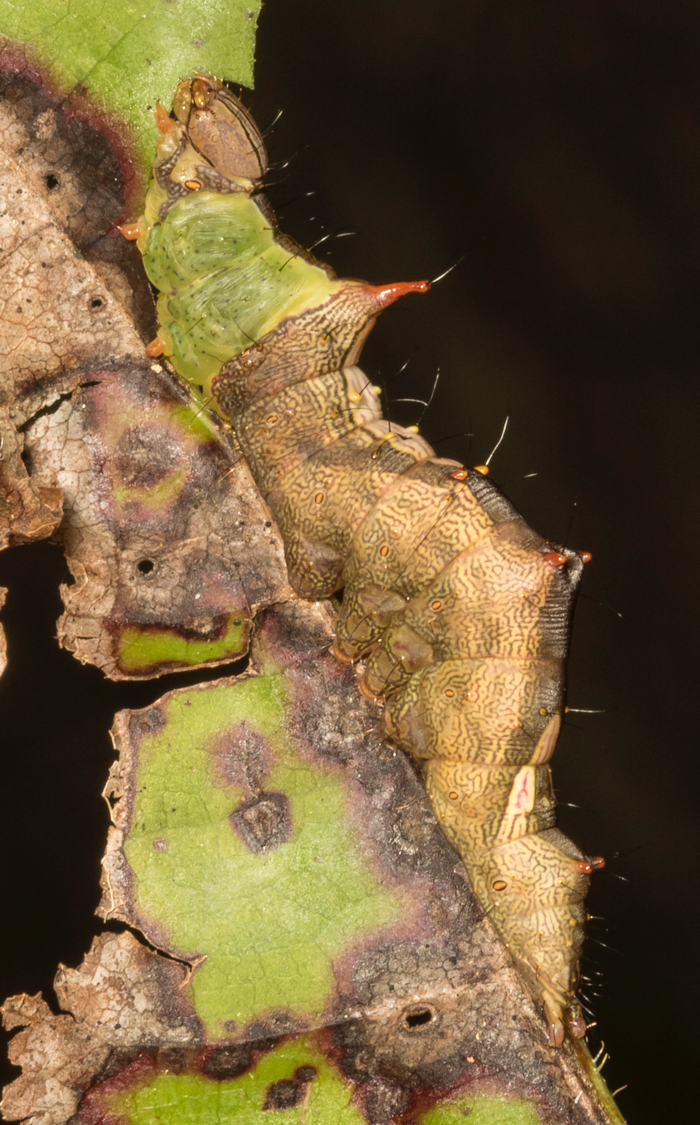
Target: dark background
<point>555,149</point>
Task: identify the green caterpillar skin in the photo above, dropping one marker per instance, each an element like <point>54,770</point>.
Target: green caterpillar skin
<point>459,610</point>
<point>224,274</point>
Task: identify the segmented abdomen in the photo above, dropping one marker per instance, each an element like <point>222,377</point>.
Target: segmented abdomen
<point>461,612</point>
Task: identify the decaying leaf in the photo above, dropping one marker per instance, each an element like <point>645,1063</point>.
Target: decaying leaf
<point>69,289</point>
<point>313,917</point>
<point>28,510</point>
<point>171,548</point>
<point>123,999</point>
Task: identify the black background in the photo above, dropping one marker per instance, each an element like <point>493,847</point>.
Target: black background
<point>555,149</point>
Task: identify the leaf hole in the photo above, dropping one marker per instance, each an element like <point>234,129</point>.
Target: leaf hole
<point>52,181</point>
<point>419,1017</point>
<point>145,567</point>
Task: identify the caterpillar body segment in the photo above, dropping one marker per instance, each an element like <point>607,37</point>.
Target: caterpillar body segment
<point>460,612</point>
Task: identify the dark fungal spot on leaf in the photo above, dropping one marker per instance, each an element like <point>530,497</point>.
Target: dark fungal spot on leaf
<point>284,1094</point>
<point>145,456</point>
<point>266,1034</point>
<point>263,822</point>
<point>384,1101</point>
<point>227,1061</point>
<point>143,724</point>
<point>243,757</point>
<point>305,1073</point>
<point>173,1059</point>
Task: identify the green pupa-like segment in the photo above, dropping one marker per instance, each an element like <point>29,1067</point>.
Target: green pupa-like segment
<point>460,611</point>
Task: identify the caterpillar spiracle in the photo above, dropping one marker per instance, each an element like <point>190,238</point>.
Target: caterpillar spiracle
<point>460,612</point>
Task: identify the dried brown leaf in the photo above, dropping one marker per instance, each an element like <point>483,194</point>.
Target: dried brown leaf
<point>170,545</point>
<point>28,510</point>
<point>122,997</point>
<point>69,287</point>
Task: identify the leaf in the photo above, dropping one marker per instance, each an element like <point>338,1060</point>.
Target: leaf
<point>238,848</point>
<point>28,510</point>
<point>295,1079</point>
<point>122,994</point>
<point>68,290</point>
<point>119,60</point>
<point>374,967</point>
<point>170,546</point>
<point>271,841</point>
<point>121,997</point>
<point>149,481</point>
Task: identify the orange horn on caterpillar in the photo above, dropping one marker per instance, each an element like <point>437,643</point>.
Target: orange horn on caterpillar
<point>555,558</point>
<point>387,294</point>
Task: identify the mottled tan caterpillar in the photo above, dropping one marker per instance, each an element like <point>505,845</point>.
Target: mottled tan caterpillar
<point>459,610</point>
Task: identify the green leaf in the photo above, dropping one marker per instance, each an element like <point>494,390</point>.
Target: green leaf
<point>295,1081</point>
<point>191,1098</point>
<point>141,650</point>
<point>482,1111</point>
<point>268,914</point>
<point>125,57</point>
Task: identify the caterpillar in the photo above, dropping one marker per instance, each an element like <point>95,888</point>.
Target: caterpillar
<point>458,611</point>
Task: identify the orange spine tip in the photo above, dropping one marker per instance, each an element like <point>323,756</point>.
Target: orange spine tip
<point>483,469</point>
<point>555,558</point>
<point>588,866</point>
<point>585,556</point>
<point>155,348</point>
<point>459,474</point>
<point>130,231</point>
<point>163,119</point>
<point>387,294</point>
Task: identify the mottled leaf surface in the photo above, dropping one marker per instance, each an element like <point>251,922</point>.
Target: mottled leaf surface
<point>274,844</point>
<point>237,851</point>
<point>68,291</point>
<point>294,1081</point>
<point>170,547</point>
<point>70,287</point>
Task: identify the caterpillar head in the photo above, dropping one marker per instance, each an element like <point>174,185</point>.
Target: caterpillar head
<point>220,128</point>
